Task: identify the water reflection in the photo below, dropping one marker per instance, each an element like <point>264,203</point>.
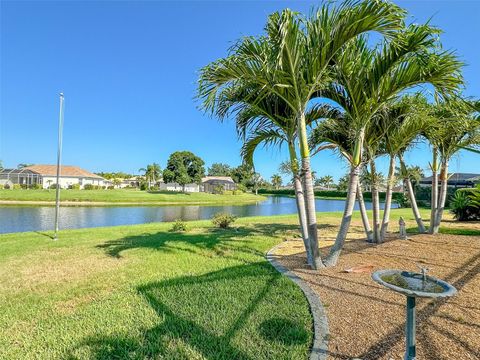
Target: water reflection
<point>24,218</point>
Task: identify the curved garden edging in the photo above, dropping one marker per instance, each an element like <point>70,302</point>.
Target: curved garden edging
<point>319,349</point>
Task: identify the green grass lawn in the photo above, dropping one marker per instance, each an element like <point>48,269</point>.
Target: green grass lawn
<point>143,292</point>
<point>128,196</point>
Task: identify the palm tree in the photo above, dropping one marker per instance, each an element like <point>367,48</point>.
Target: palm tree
<point>276,181</point>
<point>455,124</point>
<point>366,80</point>
<point>401,123</point>
<point>409,174</point>
<point>293,62</point>
<point>334,133</point>
<point>151,173</point>
<point>270,122</point>
<point>328,181</point>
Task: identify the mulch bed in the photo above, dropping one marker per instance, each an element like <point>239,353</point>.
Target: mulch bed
<point>367,321</point>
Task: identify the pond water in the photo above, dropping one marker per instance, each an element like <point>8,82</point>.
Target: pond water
<point>36,218</point>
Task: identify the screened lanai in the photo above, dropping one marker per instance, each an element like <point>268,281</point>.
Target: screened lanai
<point>19,176</point>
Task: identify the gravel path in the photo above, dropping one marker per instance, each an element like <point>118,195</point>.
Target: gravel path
<point>367,321</point>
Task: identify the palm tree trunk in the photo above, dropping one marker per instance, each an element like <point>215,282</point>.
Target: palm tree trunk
<point>375,204</point>
<point>434,200</point>
<point>302,217</point>
<point>337,247</point>
<point>413,203</point>
<point>309,194</point>
<point>363,213</point>
<point>300,200</point>
<point>442,196</point>
<point>388,199</point>
<point>413,200</point>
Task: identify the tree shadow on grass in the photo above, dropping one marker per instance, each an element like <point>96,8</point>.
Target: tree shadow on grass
<point>217,315</point>
<point>234,242</point>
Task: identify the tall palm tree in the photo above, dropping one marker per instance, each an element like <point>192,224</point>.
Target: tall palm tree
<point>335,133</point>
<point>276,181</point>
<point>271,122</point>
<point>455,124</point>
<point>366,80</point>
<point>401,123</point>
<point>293,62</point>
<point>151,173</point>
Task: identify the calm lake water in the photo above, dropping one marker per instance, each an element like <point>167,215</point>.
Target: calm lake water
<point>35,218</point>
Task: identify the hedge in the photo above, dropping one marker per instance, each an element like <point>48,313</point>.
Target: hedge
<point>397,196</point>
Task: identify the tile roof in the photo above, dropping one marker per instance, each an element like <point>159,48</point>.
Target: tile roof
<point>65,170</point>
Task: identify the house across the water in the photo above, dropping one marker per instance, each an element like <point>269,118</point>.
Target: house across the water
<point>457,180</point>
<point>209,184</point>
<point>215,184</point>
<point>46,176</point>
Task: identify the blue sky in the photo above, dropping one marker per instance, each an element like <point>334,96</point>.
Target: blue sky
<point>129,70</point>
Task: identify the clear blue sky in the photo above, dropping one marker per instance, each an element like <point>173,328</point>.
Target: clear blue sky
<point>128,71</point>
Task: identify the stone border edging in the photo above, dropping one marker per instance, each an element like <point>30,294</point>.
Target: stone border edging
<point>319,349</point>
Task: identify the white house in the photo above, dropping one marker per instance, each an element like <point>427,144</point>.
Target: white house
<point>69,175</point>
<point>178,187</point>
<point>210,184</point>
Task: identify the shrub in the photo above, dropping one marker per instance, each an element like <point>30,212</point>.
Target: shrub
<point>2,186</point>
<point>111,187</point>
<point>6,186</point>
<point>465,205</point>
<point>143,186</point>
<point>237,192</point>
<point>53,186</point>
<point>218,189</point>
<point>228,192</point>
<point>241,187</point>
<point>35,186</point>
<point>74,187</point>
<point>329,193</point>
<point>403,201</point>
<point>16,186</point>
<point>88,187</point>
<point>223,220</point>
<point>179,226</point>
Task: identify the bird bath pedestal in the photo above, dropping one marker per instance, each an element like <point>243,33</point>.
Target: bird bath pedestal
<point>413,285</point>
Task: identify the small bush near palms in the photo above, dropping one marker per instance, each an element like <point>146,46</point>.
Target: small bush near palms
<point>223,220</point>
<point>16,186</point>
<point>465,206</point>
<point>74,187</point>
<point>179,226</point>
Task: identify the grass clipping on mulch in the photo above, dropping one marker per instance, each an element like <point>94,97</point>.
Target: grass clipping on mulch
<point>367,320</point>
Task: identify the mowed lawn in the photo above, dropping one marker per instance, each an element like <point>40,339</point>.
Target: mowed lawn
<point>144,292</point>
<point>141,292</point>
<point>128,196</point>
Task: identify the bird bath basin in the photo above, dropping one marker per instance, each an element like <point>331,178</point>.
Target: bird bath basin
<point>413,285</point>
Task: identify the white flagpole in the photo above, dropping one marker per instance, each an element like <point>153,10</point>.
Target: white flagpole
<point>59,160</point>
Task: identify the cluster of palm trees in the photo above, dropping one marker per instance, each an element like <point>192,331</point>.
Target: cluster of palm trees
<point>319,82</point>
<point>152,174</point>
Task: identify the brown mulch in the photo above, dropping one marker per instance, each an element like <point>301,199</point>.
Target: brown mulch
<point>367,321</point>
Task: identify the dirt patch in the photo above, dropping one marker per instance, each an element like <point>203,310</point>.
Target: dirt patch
<point>367,321</point>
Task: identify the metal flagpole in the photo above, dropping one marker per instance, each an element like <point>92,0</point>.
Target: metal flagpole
<point>59,160</point>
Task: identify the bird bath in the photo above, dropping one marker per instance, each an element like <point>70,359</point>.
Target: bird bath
<point>413,285</point>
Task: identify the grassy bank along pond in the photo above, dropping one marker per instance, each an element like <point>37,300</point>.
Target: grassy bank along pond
<point>122,197</point>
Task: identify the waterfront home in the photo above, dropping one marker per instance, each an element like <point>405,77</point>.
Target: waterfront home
<point>209,184</point>
<point>214,184</point>
<point>456,180</point>
<point>46,176</point>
